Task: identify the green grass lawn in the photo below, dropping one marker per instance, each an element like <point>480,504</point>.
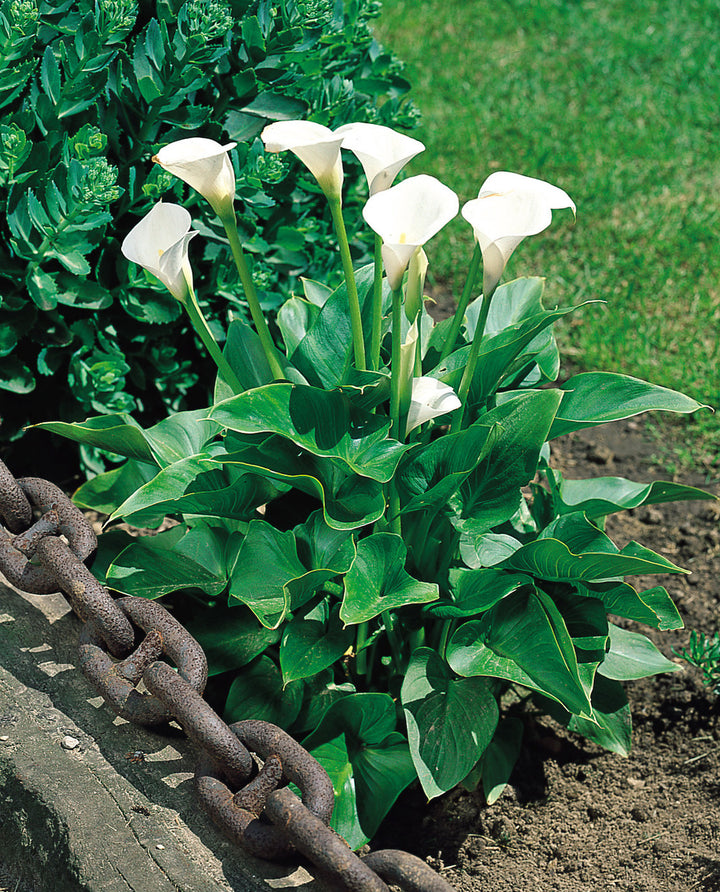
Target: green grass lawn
<point>618,103</point>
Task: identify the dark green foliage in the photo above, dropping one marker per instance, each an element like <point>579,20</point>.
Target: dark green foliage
<point>88,92</point>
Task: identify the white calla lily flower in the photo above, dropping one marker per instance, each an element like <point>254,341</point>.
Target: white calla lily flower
<point>509,208</point>
<point>407,216</point>
<point>382,151</point>
<point>159,243</point>
<point>430,398</point>
<point>205,165</point>
<point>315,145</point>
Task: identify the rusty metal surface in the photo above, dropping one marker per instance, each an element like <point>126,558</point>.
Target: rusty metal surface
<point>15,509</point>
<point>405,870</point>
<point>285,760</point>
<point>117,681</point>
<point>326,850</point>
<point>243,769</point>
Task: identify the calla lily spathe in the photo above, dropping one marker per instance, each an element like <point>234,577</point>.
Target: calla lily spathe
<point>430,398</point>
<point>315,145</point>
<point>159,243</point>
<point>382,151</point>
<point>509,208</point>
<point>406,216</point>
<point>205,165</point>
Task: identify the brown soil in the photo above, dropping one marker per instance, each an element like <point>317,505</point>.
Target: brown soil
<point>574,817</point>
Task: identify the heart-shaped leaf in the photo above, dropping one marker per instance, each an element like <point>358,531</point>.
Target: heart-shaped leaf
<point>258,693</point>
<point>491,494</point>
<point>631,656</point>
<point>378,581</point>
<point>154,566</point>
<point>312,642</point>
<point>450,721</point>
<point>523,639</point>
<point>325,423</point>
<point>269,576</point>
<point>368,762</point>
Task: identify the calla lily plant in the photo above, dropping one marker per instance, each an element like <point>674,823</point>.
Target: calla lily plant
<point>386,560</point>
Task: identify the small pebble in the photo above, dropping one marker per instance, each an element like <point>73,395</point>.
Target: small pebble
<point>69,743</point>
<point>5,737</point>
<point>159,847</point>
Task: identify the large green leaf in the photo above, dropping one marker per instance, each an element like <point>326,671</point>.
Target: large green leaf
<point>499,353</point>
<point>487,549</point>
<point>230,636</point>
<point>114,433</point>
<point>631,656</point>
<point>599,496</point>
<point>244,352</point>
<point>323,353</point>
<point>320,546</point>
<point>295,318</point>
<point>611,724</point>
<point>500,758</point>
<point>491,494</point>
<point>105,492</point>
<point>258,693</point>
<point>572,549</point>
<point>325,423</point>
<point>178,436</point>
<point>154,566</point>
<point>475,591</point>
<point>348,500</point>
<point>195,485</point>
<point>450,721</point>
<point>429,475</point>
<point>378,580</point>
<point>368,761</point>
<point>269,576</point>
<point>312,642</point>
<point>597,397</point>
<point>523,639</point>
<point>181,435</point>
<point>654,607</point>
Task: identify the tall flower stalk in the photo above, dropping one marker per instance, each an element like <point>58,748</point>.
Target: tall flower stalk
<point>205,165</point>
<point>318,148</point>
<point>159,243</point>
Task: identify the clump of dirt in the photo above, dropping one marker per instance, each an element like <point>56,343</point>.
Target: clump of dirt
<point>574,817</point>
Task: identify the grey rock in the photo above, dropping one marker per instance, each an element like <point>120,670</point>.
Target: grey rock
<point>87,819</point>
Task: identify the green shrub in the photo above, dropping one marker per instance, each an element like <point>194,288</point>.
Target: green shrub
<point>88,92</point>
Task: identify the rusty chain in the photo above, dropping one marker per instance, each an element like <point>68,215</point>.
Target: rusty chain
<point>254,808</point>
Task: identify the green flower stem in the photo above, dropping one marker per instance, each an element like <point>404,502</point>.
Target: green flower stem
<point>394,521</point>
<point>361,637</point>
<point>463,303</point>
<point>258,318</point>
<point>376,330</point>
<point>353,300</point>
<point>393,641</point>
<point>446,629</point>
<point>469,372</point>
<point>200,325</point>
<point>395,370</point>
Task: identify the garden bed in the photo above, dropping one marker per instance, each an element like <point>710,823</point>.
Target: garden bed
<point>574,816</point>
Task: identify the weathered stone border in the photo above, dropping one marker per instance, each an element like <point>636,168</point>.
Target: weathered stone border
<point>86,818</point>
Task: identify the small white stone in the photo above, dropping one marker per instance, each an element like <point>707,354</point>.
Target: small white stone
<point>5,737</point>
<point>161,847</point>
<point>69,743</point>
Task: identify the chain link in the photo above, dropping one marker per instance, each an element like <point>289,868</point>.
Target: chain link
<point>240,797</point>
